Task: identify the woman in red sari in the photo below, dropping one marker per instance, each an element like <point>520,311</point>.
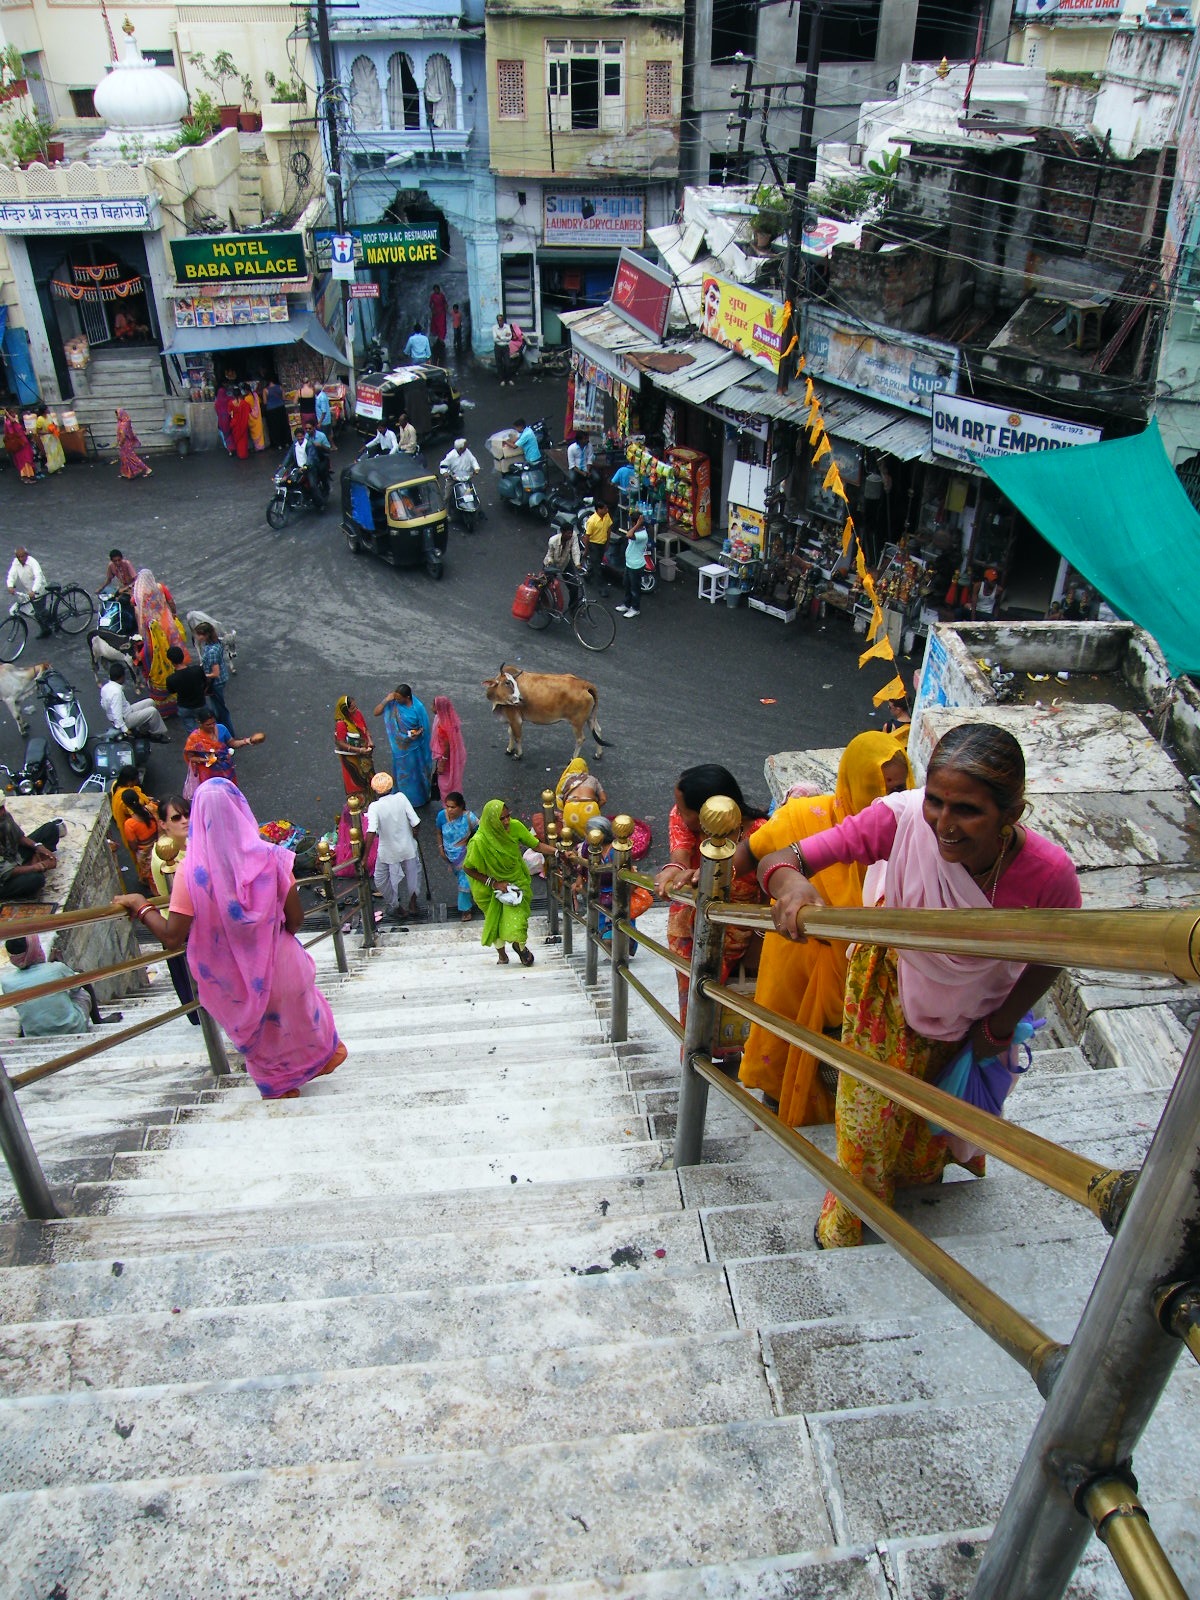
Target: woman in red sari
<point>239,425</point>
<point>355,747</point>
<point>16,442</point>
<point>131,464</point>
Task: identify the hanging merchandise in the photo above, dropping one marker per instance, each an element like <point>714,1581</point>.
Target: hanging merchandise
<point>690,506</point>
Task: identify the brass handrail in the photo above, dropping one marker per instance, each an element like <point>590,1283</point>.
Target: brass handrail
<point>1121,1522</point>
<point>78,979</point>
<point>664,1016</point>
<point>1165,942</point>
<point>19,927</point>
<point>1036,1352</point>
<point>1084,1181</point>
<point>47,1069</point>
<point>654,947</point>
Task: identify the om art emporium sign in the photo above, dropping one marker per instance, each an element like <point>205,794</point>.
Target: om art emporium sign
<point>243,258</point>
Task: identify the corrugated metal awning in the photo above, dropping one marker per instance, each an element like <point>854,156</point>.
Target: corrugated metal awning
<point>713,370</point>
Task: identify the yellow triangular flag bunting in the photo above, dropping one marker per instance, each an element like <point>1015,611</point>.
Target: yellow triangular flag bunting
<point>808,386</point>
<point>876,622</point>
<point>890,691</point>
<point>833,481</point>
<point>823,449</point>
<point>847,536</point>
<point>801,365</point>
<point>860,566</point>
<point>881,648</point>
<point>790,347</point>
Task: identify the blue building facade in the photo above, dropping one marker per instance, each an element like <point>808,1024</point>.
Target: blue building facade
<point>411,100</point>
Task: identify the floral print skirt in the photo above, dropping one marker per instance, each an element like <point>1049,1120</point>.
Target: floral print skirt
<point>878,1142</point>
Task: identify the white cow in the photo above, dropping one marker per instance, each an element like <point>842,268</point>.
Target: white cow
<point>16,686</point>
<point>226,634</point>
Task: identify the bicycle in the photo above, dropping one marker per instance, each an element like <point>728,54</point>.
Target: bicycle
<point>66,608</point>
<point>591,622</point>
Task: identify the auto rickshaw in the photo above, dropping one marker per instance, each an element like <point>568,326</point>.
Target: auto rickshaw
<point>393,507</point>
<point>425,394</point>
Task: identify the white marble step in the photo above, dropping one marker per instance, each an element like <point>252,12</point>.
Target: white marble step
<point>320,1269</point>
<point>306,1419</point>
<point>432,1175</point>
<point>533,1514</point>
<point>321,1146</point>
<point>231,1226</point>
<point>456,1323</point>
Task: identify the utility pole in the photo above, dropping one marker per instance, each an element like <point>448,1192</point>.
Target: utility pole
<point>325,46</point>
<point>801,170</point>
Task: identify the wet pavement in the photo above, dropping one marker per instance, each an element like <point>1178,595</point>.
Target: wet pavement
<point>686,682</point>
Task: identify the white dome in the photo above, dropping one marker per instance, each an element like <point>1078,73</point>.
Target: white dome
<point>138,97</point>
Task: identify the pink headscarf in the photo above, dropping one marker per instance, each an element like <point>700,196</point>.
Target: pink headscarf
<point>447,740</point>
<point>238,884</point>
<point>942,995</point>
<point>34,954</point>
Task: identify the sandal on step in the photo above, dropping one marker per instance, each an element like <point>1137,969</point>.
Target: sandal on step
<point>335,1060</point>
<point>525,956</point>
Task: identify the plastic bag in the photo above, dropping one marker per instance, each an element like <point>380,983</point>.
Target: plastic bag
<point>987,1083</point>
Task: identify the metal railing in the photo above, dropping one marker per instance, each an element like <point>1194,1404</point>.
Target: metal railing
<point>29,1180</point>
<point>1144,1308</point>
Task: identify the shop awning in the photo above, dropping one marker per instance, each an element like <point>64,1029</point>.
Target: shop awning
<point>879,427</point>
<point>1119,514</point>
<point>305,327</point>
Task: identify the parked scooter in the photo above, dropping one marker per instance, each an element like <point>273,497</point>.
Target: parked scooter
<point>36,775</point>
<point>296,490</point>
<point>64,718</point>
<point>524,487</point>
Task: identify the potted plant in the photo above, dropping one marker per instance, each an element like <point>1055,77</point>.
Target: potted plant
<point>29,139</point>
<point>221,70</point>
<point>287,94</point>
<point>203,120</point>
<point>772,215</point>
<point>250,117</point>
<point>13,80</point>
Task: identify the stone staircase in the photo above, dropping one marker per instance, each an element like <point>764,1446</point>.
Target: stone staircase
<point>131,378</point>
<point>448,1325</point>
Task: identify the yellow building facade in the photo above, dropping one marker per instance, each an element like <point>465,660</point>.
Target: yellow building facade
<point>584,128</point>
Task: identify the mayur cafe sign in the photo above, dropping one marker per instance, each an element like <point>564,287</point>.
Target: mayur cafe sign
<point>241,258</point>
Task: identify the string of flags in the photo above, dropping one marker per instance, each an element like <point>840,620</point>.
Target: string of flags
<point>879,646</point>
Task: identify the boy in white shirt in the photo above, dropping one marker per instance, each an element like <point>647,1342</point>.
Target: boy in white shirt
<point>392,818</point>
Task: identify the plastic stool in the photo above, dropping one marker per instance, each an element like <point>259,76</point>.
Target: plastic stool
<point>713,580</point>
<point>669,544</point>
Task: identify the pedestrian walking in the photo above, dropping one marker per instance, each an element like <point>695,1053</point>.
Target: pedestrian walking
<point>455,825</point>
<point>215,665</point>
<point>449,749</point>
<point>438,308</point>
<point>275,410</point>
<point>16,442</point>
<point>131,464</point>
<point>637,539</point>
<point>501,339</point>
<point>456,323</point>
<point>258,436</point>
<point>417,347</point>
<point>391,818</point>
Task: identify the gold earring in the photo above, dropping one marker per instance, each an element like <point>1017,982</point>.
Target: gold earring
<point>1006,832</point>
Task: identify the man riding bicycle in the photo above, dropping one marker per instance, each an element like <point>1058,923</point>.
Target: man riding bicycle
<point>25,577</point>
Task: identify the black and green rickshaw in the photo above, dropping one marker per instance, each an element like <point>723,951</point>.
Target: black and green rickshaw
<point>392,506</point>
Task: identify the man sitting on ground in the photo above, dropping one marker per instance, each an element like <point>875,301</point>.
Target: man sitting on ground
<point>67,1011</point>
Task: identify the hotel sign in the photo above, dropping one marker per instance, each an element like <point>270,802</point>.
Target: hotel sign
<point>69,216</point>
<point>241,258</point>
<point>594,221</point>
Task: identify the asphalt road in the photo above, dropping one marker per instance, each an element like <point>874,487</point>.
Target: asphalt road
<point>684,683</point>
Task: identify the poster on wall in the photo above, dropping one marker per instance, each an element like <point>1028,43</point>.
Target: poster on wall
<point>745,322</point>
<point>904,371</point>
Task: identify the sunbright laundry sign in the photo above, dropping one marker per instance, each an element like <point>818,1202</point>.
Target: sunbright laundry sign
<point>589,220</point>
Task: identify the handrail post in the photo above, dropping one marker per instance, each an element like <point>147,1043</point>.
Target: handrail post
<point>721,820</point>
<point>594,849</point>
<point>28,1178</point>
<point>618,1016</point>
<point>329,890</point>
<point>1115,1370</point>
<point>567,892</point>
<point>366,909</point>
<point>217,1059</point>
<point>549,830</point>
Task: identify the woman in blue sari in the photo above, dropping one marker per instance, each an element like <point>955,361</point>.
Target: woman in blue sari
<point>455,825</point>
<point>406,723</point>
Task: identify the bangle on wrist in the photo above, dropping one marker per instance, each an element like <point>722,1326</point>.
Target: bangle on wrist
<point>1001,1043</point>
<point>801,864</point>
<point>778,866</point>
<point>140,913</point>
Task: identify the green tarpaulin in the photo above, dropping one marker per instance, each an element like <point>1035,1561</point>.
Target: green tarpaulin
<point>1121,517</point>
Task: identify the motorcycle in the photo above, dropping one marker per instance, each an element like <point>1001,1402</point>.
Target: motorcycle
<point>296,489</point>
<point>463,497</point>
<point>114,751</point>
<point>36,775</point>
<point>64,718</point>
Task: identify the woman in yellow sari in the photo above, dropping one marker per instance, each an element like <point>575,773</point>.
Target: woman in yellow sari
<point>578,797</point>
<point>258,437</point>
<point>806,982</point>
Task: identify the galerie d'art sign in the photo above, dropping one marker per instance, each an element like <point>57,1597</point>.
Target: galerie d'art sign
<point>748,323</point>
<point>240,259</point>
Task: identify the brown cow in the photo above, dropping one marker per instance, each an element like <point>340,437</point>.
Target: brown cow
<point>541,697</point>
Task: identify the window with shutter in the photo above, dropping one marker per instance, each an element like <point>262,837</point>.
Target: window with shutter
<point>658,91</point>
<point>510,91</point>
<point>585,84</point>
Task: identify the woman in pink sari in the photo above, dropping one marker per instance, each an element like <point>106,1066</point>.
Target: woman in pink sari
<point>131,464</point>
<point>159,628</point>
<point>446,744</point>
<point>956,844</point>
<point>16,442</point>
<point>235,904</point>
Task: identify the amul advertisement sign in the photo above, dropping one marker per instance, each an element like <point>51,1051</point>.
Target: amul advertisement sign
<point>241,259</point>
<point>587,221</point>
<point>745,322</point>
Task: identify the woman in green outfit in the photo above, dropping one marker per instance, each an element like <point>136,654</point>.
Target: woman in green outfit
<point>495,866</point>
